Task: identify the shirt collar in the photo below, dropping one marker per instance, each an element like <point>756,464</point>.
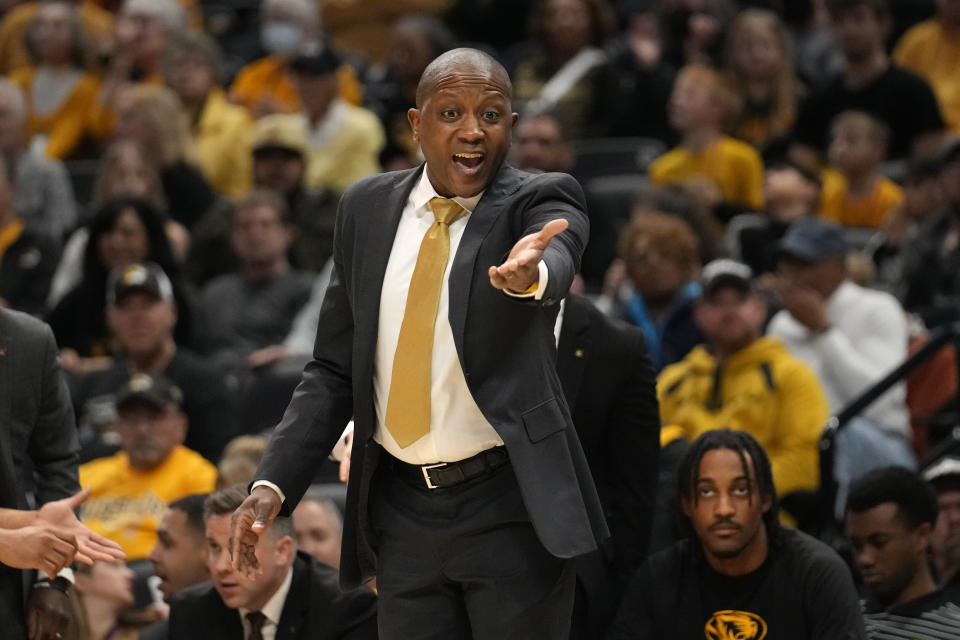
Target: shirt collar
<point>423,192</point>
<point>274,607</point>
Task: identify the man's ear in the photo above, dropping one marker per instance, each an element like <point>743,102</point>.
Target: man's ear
<point>285,550</point>
<point>921,537</point>
<point>413,116</point>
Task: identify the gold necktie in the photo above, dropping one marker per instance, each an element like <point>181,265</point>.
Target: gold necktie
<point>408,406</point>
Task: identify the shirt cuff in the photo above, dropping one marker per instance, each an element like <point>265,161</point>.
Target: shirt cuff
<point>538,288</point>
<point>270,485</point>
<point>66,573</point>
<point>340,448</point>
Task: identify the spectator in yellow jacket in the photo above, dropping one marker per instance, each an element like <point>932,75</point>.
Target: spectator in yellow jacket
<point>744,381</point>
<point>221,131</point>
<point>345,141</point>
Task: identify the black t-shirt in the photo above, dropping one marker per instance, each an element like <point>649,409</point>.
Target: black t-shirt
<point>930,617</point>
<point>897,97</point>
<point>802,591</point>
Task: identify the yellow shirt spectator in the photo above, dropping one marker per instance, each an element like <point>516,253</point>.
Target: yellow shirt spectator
<point>869,210</point>
<point>760,389</point>
<point>222,136</point>
<point>126,505</point>
<point>265,86</point>
<point>66,126</point>
<point>734,166</point>
<point>345,147</point>
<point>932,52</point>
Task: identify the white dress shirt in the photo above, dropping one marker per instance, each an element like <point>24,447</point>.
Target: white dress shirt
<point>272,610</point>
<point>867,339</point>
<point>458,429</point>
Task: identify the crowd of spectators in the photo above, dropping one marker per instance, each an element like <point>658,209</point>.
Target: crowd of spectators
<point>773,189</point>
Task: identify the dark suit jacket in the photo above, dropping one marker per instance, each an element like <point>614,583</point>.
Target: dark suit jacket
<point>611,388</point>
<point>506,348</point>
<point>315,609</point>
<point>38,439</point>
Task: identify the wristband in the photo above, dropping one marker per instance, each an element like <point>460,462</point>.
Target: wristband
<point>59,583</point>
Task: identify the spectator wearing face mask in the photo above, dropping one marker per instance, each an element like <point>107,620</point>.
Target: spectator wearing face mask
<point>265,86</point>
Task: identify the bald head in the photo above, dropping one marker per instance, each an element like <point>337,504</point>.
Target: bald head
<point>459,62</point>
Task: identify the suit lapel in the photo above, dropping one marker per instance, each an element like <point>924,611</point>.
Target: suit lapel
<point>573,348</point>
<point>465,261</point>
<point>296,608</point>
<point>376,232</point>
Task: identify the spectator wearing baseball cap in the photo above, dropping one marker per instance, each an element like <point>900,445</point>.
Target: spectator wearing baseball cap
<point>745,381</point>
<point>944,475</point>
<point>141,314</point>
<point>131,488</point>
<point>345,140</point>
<point>851,337</point>
<point>280,151</point>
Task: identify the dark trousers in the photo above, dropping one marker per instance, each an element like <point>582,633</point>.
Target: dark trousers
<point>464,562</point>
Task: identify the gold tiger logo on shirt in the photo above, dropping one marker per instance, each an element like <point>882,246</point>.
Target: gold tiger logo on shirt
<point>735,625</point>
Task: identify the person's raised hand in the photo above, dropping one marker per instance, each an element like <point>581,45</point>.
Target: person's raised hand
<point>521,270</point>
<point>249,522</point>
<point>807,306</point>
<point>37,546</point>
<point>90,546</point>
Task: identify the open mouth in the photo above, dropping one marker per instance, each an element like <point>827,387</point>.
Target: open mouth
<point>468,162</point>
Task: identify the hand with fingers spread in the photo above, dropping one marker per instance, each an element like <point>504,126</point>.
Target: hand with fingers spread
<point>90,546</point>
<point>41,547</point>
<point>521,270</point>
<point>249,522</point>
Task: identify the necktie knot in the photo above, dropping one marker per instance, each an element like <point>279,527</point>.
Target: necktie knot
<point>445,210</point>
<point>256,620</point>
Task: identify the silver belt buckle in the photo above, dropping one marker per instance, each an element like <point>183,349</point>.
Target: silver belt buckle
<point>425,469</point>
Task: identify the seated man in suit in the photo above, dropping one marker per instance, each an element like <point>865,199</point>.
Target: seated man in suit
<point>293,597</point>
<point>179,557</point>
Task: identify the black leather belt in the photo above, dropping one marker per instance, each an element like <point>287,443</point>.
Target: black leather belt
<point>441,475</point>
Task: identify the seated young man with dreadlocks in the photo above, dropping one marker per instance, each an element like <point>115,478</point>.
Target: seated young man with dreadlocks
<point>740,574</point>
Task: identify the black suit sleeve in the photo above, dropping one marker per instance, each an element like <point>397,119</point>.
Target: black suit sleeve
<point>54,448</point>
<point>322,403</point>
<point>633,448</point>
<point>558,196</point>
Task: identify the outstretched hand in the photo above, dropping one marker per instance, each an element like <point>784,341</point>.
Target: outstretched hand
<point>60,516</point>
<point>521,270</point>
<point>249,522</point>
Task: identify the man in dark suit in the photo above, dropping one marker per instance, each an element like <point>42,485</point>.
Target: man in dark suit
<point>38,448</point>
<point>482,496</point>
<point>293,598</point>
<point>610,385</point>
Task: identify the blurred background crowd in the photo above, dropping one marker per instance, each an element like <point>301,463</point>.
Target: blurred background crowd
<point>171,172</point>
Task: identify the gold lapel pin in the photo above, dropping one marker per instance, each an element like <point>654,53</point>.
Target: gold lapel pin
<point>578,353</point>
